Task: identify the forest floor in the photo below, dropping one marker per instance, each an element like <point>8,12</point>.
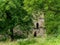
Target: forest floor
<point>34,41</point>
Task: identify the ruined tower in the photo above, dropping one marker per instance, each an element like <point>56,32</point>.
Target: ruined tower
<point>39,26</point>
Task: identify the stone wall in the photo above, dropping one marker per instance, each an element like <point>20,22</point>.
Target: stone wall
<point>41,26</point>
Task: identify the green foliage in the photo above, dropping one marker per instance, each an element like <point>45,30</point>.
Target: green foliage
<point>13,14</point>
<point>20,12</point>
<point>27,41</point>
<point>52,16</point>
<point>18,16</point>
<point>35,41</point>
<point>51,8</point>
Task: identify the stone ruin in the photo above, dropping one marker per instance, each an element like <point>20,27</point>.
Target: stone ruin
<point>39,26</point>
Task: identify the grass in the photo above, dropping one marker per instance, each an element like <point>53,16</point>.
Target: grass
<point>34,41</point>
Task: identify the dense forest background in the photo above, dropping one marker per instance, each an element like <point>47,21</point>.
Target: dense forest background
<point>19,13</point>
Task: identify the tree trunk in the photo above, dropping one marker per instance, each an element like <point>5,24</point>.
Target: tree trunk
<point>11,35</point>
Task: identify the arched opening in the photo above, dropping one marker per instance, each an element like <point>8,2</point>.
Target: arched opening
<point>35,34</point>
<point>37,25</point>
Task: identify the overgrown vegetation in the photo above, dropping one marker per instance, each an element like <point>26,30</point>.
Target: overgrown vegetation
<point>35,41</point>
<point>21,14</point>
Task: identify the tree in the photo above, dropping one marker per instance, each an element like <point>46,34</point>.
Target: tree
<point>14,15</point>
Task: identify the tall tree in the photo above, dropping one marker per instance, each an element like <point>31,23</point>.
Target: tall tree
<point>13,14</point>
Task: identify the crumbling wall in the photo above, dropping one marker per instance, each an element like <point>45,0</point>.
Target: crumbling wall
<point>41,31</point>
